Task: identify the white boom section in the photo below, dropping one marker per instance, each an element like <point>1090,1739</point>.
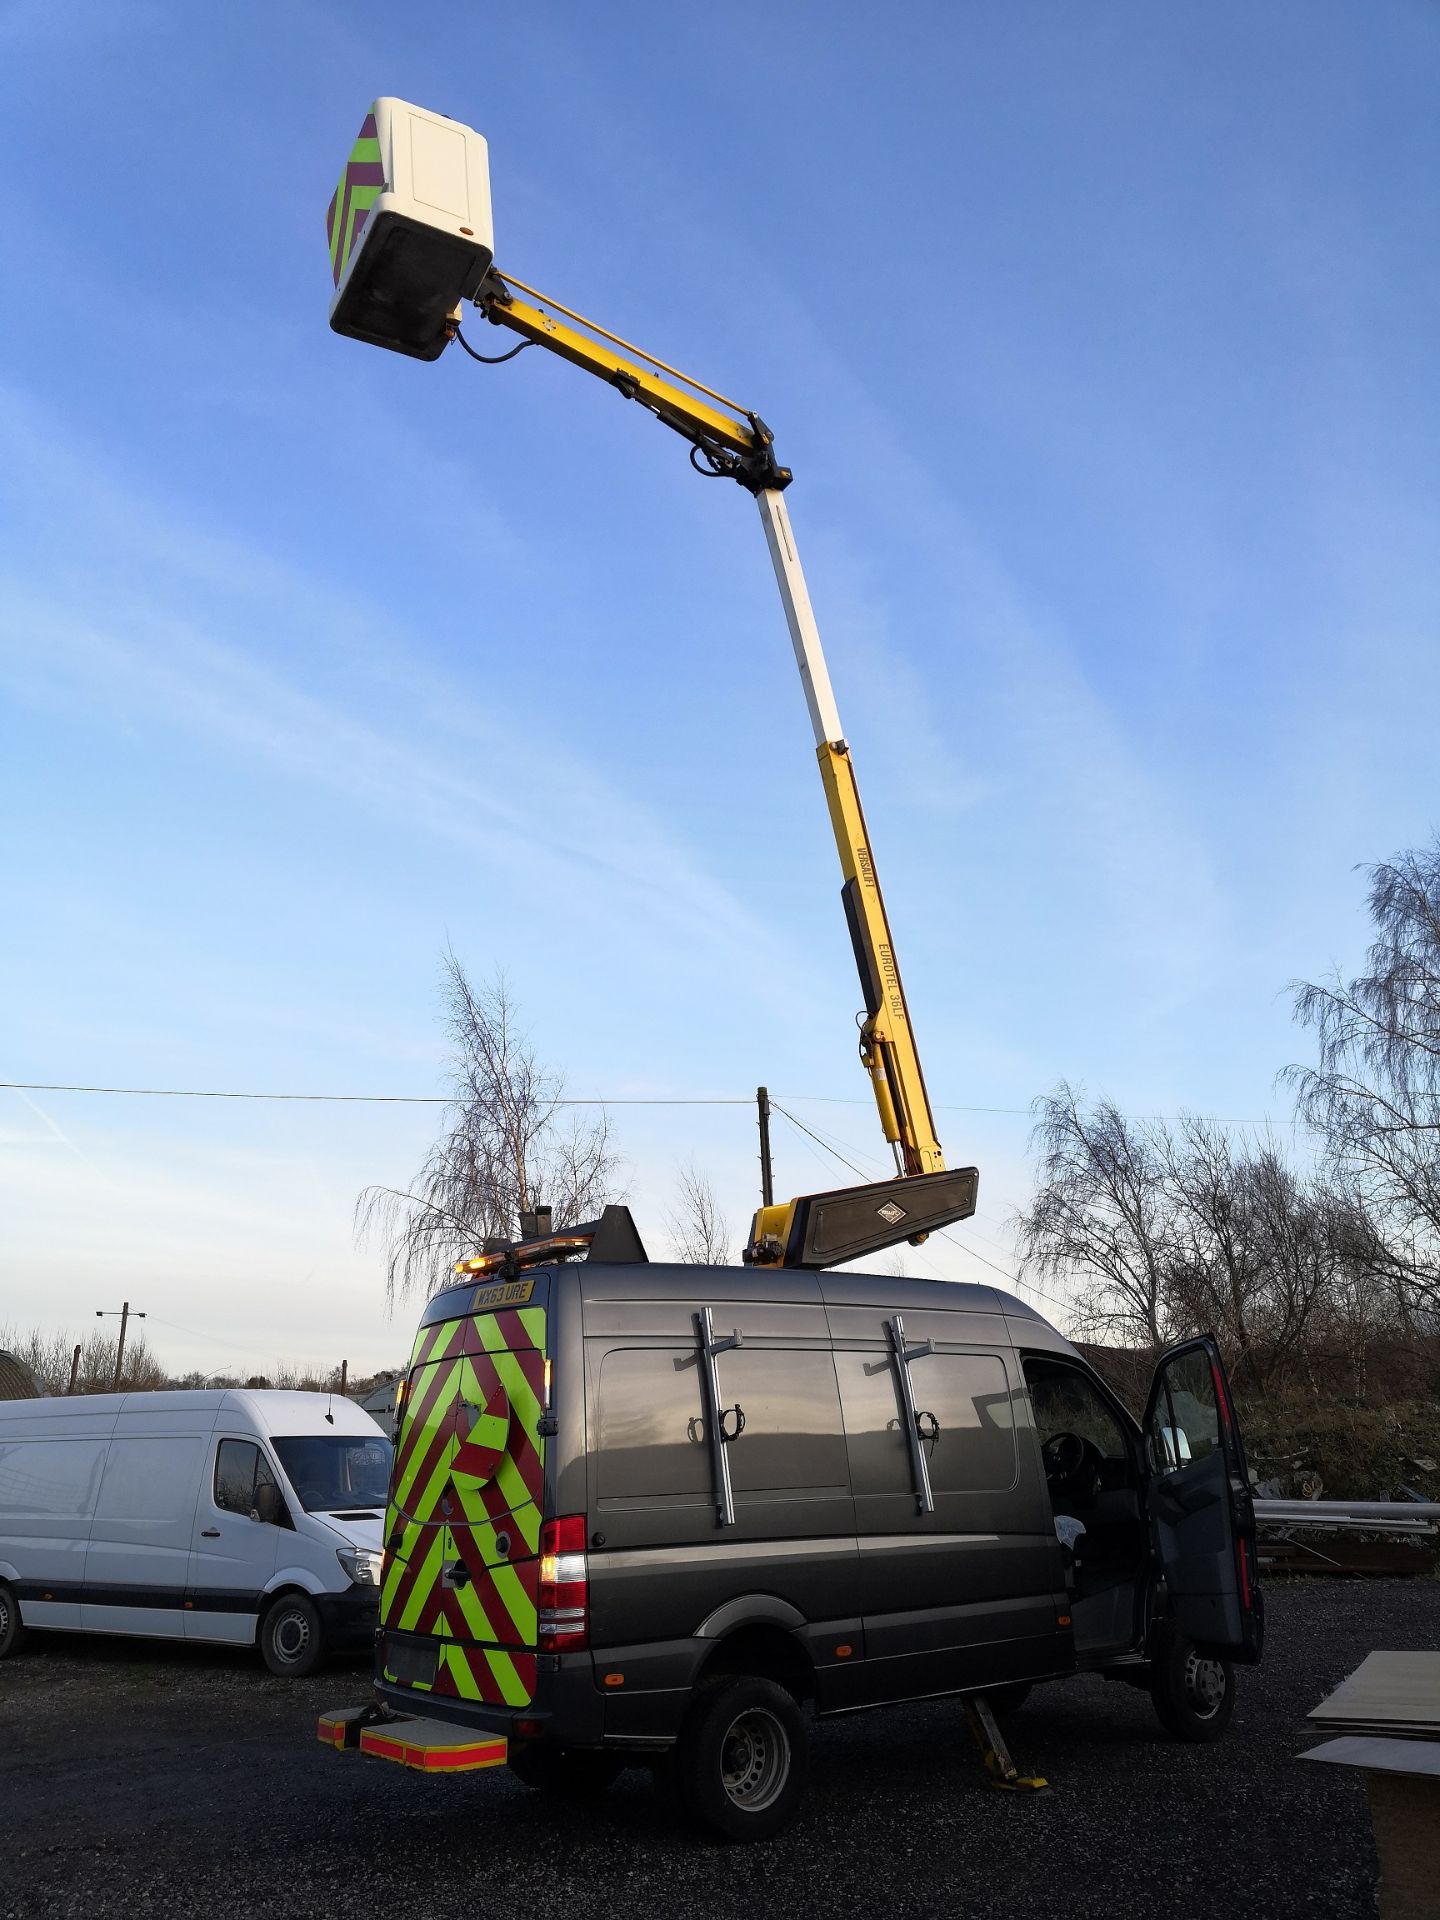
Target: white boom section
<point>800,617</point>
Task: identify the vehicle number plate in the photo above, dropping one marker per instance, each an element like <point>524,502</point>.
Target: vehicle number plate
<point>412,1662</point>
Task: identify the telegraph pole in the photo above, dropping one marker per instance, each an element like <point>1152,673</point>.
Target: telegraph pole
<point>109,1314</point>
<point>767,1172</point>
<point>74,1369</point>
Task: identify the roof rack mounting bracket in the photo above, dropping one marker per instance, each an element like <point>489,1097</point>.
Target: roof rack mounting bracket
<point>708,1344</point>
<point>901,1356</point>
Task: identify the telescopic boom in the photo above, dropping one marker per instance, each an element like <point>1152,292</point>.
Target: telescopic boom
<point>410,240</point>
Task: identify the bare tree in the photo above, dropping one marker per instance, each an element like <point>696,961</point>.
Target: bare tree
<point>699,1231</point>
<point>1100,1213</point>
<point>1214,1277</point>
<point>1184,1230</point>
<point>1257,1247</point>
<point>1375,1094</point>
<point>48,1357</point>
<point>508,1146</point>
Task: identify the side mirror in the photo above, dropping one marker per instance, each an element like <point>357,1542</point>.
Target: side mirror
<point>269,1507</point>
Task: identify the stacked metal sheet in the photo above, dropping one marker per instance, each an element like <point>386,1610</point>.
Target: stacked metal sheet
<point>1387,1717</point>
<point>1390,1695</point>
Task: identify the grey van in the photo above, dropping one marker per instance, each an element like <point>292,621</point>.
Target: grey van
<point>657,1515</point>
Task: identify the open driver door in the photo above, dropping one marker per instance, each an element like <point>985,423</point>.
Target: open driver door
<point>1198,1495</point>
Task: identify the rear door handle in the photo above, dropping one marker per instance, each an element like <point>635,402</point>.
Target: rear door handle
<point>210,1533</point>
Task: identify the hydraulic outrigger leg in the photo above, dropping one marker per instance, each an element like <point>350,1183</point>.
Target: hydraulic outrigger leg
<point>1002,1769</point>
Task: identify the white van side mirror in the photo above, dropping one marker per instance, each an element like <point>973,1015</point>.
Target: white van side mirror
<point>269,1507</point>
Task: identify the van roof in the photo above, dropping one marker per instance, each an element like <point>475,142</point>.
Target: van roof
<point>795,1284</point>
<point>791,1285</point>
<point>270,1410</point>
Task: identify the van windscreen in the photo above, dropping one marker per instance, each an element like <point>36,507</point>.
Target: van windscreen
<point>330,1471</point>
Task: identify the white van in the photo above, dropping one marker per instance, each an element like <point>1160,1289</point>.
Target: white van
<point>220,1515</point>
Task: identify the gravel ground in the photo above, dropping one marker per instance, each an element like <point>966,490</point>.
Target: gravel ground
<point>139,1779</point>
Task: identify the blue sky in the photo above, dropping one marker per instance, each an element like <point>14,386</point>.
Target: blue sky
<point>1102,342</point>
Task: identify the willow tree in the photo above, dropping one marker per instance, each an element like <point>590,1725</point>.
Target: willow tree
<point>1375,1093</point>
<point>510,1143</point>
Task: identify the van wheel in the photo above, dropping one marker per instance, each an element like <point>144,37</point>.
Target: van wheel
<point>291,1637</point>
<point>741,1759</point>
<point>571,1773</point>
<point>12,1633</point>
<point>1194,1693</point>
<point>1008,1699</point>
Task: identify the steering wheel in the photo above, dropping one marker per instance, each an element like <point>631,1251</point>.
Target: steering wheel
<point>1064,1456</point>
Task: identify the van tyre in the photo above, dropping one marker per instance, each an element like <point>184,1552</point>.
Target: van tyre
<point>292,1638</point>
<point>1193,1692</point>
<point>12,1633</point>
<point>741,1759</point>
<point>570,1773</point>
<point>1008,1699</point>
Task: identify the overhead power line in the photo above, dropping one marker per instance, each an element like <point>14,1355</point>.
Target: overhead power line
<point>567,1100</point>
<point>623,1100</point>
<point>369,1099</point>
<point>833,1152</point>
<point>961,1245</point>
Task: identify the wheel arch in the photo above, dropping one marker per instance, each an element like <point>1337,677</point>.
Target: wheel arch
<point>766,1648</point>
<point>291,1580</point>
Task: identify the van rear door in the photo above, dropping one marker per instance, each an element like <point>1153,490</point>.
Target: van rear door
<point>1198,1494</point>
<point>462,1530</point>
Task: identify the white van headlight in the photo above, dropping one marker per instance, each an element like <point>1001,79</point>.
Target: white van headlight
<point>361,1563</point>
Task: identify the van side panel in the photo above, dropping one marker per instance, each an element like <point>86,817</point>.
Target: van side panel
<point>965,1594</point>
<point>50,1474</point>
<point>666,1563</point>
<point>667,1580</point>
<point>137,1566</point>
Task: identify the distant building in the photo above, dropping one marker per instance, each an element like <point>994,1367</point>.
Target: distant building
<point>16,1381</point>
<point>379,1402</point>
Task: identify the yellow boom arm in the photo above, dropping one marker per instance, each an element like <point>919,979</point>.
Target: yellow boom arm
<point>727,440</point>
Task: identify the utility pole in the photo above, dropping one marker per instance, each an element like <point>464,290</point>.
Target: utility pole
<point>109,1314</point>
<point>767,1172</point>
<point>74,1369</point>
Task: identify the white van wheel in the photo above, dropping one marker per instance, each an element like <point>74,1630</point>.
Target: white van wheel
<point>12,1632</point>
<point>291,1637</point>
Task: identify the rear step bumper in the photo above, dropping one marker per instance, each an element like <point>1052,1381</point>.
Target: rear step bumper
<point>427,1746</point>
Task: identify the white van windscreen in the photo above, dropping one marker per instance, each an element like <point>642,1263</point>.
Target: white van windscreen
<point>333,1471</point>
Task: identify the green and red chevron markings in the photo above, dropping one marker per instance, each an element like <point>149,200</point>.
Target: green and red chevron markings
<point>361,185</point>
<point>465,1493</point>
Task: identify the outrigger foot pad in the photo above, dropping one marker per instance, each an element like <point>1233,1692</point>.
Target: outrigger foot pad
<point>1004,1774</point>
<point>427,1746</point>
<point>343,1726</point>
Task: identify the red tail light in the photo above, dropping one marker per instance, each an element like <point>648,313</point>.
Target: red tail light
<point>563,1597</point>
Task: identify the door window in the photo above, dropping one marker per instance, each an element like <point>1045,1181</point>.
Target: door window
<point>651,1442</point>
<point>962,1410</point>
<point>786,1436</point>
<point>240,1468</point>
<point>1185,1419</point>
<point>1064,1401</point>
<point>790,1438</point>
